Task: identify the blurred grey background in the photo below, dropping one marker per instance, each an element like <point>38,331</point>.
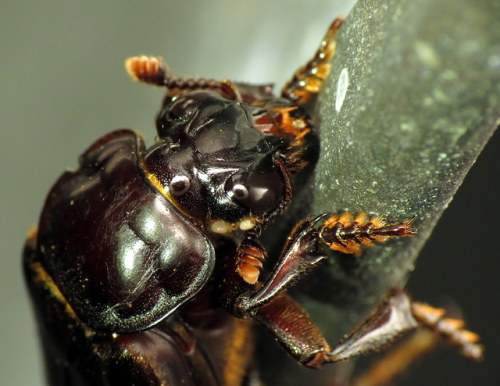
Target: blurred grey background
<point>63,85</point>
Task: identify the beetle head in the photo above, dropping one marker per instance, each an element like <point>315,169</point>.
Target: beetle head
<point>215,163</point>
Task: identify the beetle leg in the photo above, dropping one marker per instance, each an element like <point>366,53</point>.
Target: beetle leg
<point>304,250</point>
<point>349,233</point>
<point>302,339</point>
<point>249,260</point>
<point>308,79</point>
<point>398,314</point>
<point>397,361</point>
<point>299,256</point>
<point>451,330</point>
<point>292,327</point>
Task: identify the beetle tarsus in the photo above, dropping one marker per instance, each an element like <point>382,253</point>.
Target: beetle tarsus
<point>450,329</point>
<point>349,233</point>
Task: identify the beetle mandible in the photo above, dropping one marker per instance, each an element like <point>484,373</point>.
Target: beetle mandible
<point>145,265</point>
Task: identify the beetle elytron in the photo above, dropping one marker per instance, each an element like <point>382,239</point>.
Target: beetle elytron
<point>145,265</point>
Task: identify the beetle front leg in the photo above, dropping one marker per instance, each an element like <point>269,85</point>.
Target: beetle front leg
<point>300,254</point>
<point>305,249</point>
<point>292,326</point>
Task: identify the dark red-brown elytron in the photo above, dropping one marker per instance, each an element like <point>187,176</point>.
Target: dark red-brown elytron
<point>145,267</point>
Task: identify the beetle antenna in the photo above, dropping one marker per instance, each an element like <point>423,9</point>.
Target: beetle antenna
<point>154,70</point>
<point>148,69</point>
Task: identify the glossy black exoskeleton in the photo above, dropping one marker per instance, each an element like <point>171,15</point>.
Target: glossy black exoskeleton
<point>145,265</point>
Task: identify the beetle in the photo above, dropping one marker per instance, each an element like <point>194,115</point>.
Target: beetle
<point>145,265</point>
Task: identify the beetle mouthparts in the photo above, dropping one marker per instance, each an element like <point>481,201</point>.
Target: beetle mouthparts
<point>221,226</point>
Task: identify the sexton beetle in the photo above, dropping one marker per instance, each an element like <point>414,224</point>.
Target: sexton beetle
<point>145,265</point>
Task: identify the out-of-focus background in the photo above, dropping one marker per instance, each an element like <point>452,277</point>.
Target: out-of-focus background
<point>62,85</point>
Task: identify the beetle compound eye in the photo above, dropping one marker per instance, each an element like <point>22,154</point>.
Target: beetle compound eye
<point>179,185</point>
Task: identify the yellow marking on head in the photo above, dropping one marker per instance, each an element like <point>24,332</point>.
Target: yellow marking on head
<point>162,189</point>
<point>158,185</point>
